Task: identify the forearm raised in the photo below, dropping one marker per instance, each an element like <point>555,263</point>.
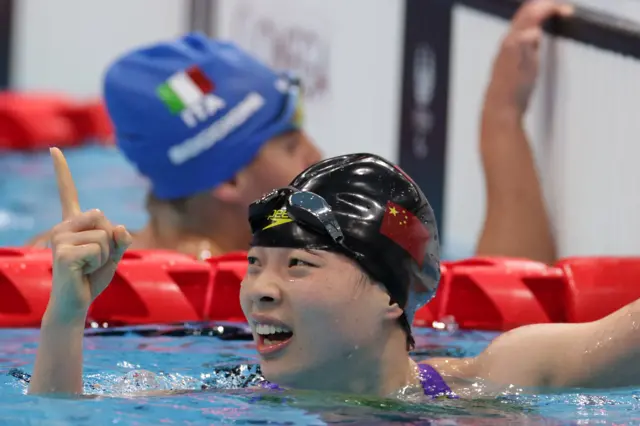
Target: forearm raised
<point>58,366</point>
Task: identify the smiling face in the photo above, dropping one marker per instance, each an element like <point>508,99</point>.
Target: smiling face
<point>310,311</point>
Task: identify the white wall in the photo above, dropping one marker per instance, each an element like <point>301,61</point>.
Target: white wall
<point>629,9</point>
<point>64,45</point>
<point>354,45</point>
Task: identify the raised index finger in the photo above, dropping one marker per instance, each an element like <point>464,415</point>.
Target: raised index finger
<point>66,187</point>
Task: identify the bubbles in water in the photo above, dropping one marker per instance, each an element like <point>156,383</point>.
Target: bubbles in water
<point>125,364</point>
<point>241,376</point>
<point>138,381</point>
<point>144,381</point>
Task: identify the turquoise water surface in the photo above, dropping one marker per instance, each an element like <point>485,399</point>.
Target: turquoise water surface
<point>29,198</point>
<point>195,358</point>
<point>189,361</point>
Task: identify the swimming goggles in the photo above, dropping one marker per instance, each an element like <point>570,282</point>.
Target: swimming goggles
<point>306,208</point>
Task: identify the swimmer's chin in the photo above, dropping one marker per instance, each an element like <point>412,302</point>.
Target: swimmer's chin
<point>281,378</point>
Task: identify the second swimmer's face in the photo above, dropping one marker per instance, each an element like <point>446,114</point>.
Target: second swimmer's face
<point>310,311</point>
<point>278,162</point>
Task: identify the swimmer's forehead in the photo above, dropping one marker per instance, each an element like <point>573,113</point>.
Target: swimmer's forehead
<point>286,251</point>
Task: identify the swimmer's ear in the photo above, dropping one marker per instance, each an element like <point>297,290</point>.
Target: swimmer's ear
<point>393,312</point>
<point>228,192</point>
<point>235,190</point>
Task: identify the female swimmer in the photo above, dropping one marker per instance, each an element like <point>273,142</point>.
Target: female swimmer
<point>339,263</point>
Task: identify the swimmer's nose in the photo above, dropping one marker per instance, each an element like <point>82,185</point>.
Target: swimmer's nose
<point>265,292</point>
<point>312,152</point>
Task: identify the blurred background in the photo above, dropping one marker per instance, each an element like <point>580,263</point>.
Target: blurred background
<point>402,79</point>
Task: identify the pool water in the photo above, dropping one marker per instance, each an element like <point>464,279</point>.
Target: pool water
<point>187,361</point>
<point>192,357</point>
<point>29,201</point>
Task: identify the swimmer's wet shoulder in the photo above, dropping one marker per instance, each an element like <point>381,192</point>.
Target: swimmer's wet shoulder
<point>459,375</point>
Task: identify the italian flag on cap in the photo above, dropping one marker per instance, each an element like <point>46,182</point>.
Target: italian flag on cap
<point>184,88</point>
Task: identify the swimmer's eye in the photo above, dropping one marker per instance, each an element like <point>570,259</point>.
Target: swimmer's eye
<point>252,260</point>
<point>293,145</point>
<point>292,142</point>
<point>298,262</point>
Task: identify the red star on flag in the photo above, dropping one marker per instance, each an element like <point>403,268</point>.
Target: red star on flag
<point>406,230</point>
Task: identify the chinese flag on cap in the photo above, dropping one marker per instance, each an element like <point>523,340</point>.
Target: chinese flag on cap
<point>406,230</point>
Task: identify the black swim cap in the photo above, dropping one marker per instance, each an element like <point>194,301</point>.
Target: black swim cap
<point>384,222</point>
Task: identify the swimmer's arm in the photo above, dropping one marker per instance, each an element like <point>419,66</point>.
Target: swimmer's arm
<point>58,366</point>
<point>516,221</point>
<point>599,354</point>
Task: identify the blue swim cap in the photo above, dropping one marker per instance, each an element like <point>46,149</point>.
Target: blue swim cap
<point>192,112</point>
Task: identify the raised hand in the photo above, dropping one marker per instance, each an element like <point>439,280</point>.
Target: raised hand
<point>86,250</point>
<point>515,68</point>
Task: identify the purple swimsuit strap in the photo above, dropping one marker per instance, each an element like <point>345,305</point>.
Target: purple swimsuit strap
<point>433,384</point>
<point>268,385</point>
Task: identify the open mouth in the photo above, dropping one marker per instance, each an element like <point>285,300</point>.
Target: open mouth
<point>272,338</point>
